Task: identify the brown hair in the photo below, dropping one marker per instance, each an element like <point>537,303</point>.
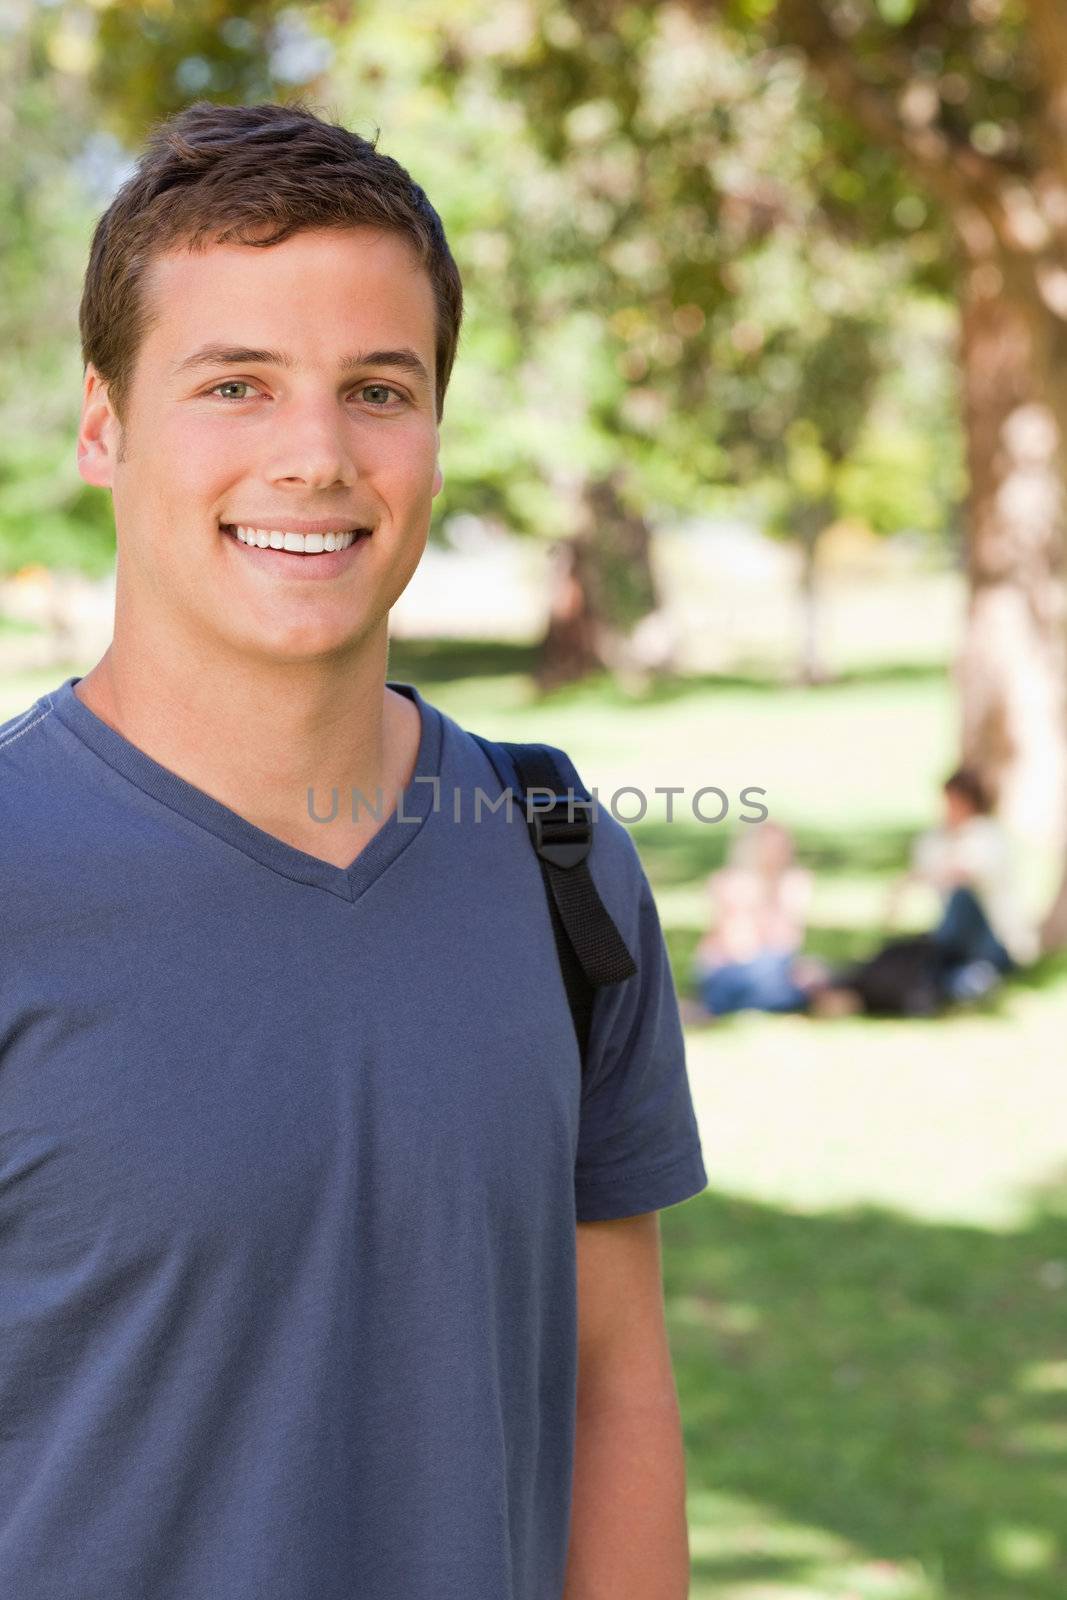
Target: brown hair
<point>221,174</point>
<point>971,785</point>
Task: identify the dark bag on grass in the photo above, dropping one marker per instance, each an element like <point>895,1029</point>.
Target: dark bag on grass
<point>904,979</point>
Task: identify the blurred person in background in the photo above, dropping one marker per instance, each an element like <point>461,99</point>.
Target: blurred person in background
<point>750,959</point>
<point>983,932</point>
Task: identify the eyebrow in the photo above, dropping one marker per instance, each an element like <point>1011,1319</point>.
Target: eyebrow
<point>225,355</point>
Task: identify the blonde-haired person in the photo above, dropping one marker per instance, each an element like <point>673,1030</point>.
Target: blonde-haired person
<point>750,959</point>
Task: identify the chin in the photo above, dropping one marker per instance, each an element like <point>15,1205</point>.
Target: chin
<point>316,643</point>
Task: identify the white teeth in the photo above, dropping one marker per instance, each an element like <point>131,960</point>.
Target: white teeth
<point>307,544</point>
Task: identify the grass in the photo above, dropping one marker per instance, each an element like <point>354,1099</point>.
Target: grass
<point>874,1405</point>
<point>868,1306</point>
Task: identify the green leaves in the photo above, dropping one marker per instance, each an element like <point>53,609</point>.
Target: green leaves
<point>677,255</point>
<point>895,12</point>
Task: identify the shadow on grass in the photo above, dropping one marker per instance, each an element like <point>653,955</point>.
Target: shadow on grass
<point>426,661</point>
<point>897,1385</point>
<point>893,672</point>
<point>444,660</point>
<point>675,686</point>
<point>681,851</point>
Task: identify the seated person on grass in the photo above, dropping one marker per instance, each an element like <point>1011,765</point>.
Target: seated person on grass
<point>981,935</point>
<point>983,932</point>
<point>750,959</point>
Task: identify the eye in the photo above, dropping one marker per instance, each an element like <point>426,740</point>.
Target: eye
<point>378,394</point>
<point>231,383</point>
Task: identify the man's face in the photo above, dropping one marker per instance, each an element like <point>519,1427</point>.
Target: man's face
<point>213,443</point>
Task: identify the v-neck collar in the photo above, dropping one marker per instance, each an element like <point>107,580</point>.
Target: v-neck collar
<point>394,835</point>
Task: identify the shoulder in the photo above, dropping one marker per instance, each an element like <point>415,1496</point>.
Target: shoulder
<point>24,764</point>
<point>613,858</point>
<point>32,782</point>
<point>23,723</point>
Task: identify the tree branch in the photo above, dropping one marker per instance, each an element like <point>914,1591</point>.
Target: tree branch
<point>955,172</point>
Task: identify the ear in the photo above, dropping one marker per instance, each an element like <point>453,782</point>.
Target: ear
<point>99,433</point>
<point>438,480</point>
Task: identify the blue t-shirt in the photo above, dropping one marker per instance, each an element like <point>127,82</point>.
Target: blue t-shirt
<point>291,1157</point>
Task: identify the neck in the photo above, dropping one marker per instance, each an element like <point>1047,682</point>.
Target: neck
<point>257,734</point>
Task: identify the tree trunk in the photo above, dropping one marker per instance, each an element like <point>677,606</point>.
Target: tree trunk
<point>1012,666</point>
<point>810,522</point>
<point>572,646</point>
<point>605,612</point>
<point>1012,233</point>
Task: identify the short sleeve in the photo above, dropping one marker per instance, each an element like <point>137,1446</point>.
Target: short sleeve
<point>638,1144</point>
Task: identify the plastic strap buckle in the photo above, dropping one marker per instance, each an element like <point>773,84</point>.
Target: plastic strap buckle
<point>561,829</point>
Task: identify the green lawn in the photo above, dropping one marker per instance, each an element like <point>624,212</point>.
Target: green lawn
<point>868,1307</point>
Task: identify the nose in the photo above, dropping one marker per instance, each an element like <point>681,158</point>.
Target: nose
<point>314,445</point>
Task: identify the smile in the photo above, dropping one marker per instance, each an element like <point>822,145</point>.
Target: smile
<point>285,554</point>
<point>296,543</point>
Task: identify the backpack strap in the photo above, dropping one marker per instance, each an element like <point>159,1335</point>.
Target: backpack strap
<point>591,949</point>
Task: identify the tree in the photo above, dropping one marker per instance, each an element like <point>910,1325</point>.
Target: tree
<point>968,98</point>
<point>81,84</point>
<point>47,515</point>
<point>672,187</point>
<point>617,225</point>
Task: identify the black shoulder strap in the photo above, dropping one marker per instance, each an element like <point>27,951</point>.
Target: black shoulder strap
<point>591,949</point>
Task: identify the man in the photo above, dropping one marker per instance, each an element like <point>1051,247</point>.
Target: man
<point>983,932</point>
<point>326,1274</point>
